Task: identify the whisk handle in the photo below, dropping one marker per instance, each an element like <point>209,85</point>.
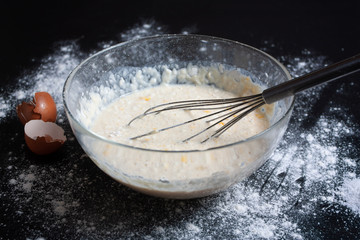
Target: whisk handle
<point>329,73</point>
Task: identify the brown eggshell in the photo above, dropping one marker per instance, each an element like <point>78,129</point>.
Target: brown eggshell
<point>25,112</point>
<point>41,107</point>
<point>43,137</point>
<point>45,106</point>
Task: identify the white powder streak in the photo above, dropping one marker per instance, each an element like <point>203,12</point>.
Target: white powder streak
<point>192,228</point>
<point>4,107</point>
<point>350,193</point>
<point>144,29</point>
<point>59,207</point>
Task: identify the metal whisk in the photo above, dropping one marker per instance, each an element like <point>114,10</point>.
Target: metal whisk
<point>242,106</point>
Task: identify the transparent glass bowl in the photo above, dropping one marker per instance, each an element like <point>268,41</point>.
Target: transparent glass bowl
<point>95,75</point>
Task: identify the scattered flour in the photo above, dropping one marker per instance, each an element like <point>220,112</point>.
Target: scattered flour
<point>25,181</point>
<point>350,193</point>
<point>59,207</point>
<point>146,28</point>
<point>4,106</point>
<point>192,228</point>
<point>310,174</point>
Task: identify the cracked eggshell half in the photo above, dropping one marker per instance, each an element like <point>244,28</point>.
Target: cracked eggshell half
<point>43,137</point>
<point>41,107</point>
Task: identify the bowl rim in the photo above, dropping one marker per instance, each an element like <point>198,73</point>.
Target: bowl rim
<point>195,36</point>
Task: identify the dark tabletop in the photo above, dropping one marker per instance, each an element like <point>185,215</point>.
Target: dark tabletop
<point>96,206</point>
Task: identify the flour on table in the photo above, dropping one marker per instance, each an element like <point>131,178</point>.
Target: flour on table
<point>350,193</point>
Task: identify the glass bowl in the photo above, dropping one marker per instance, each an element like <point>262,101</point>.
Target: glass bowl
<point>98,80</point>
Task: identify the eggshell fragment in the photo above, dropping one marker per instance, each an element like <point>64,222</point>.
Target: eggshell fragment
<point>41,107</point>
<point>43,137</point>
<point>25,112</point>
<point>45,106</point>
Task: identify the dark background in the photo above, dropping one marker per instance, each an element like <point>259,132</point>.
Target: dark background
<point>30,29</point>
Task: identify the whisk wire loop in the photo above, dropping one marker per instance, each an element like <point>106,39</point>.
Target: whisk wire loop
<point>242,105</point>
<point>244,112</point>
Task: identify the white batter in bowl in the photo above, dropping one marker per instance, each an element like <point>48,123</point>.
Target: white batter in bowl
<point>144,72</point>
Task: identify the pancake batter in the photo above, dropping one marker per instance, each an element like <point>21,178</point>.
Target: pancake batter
<point>113,121</point>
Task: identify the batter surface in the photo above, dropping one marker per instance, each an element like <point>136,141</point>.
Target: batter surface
<point>112,122</point>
